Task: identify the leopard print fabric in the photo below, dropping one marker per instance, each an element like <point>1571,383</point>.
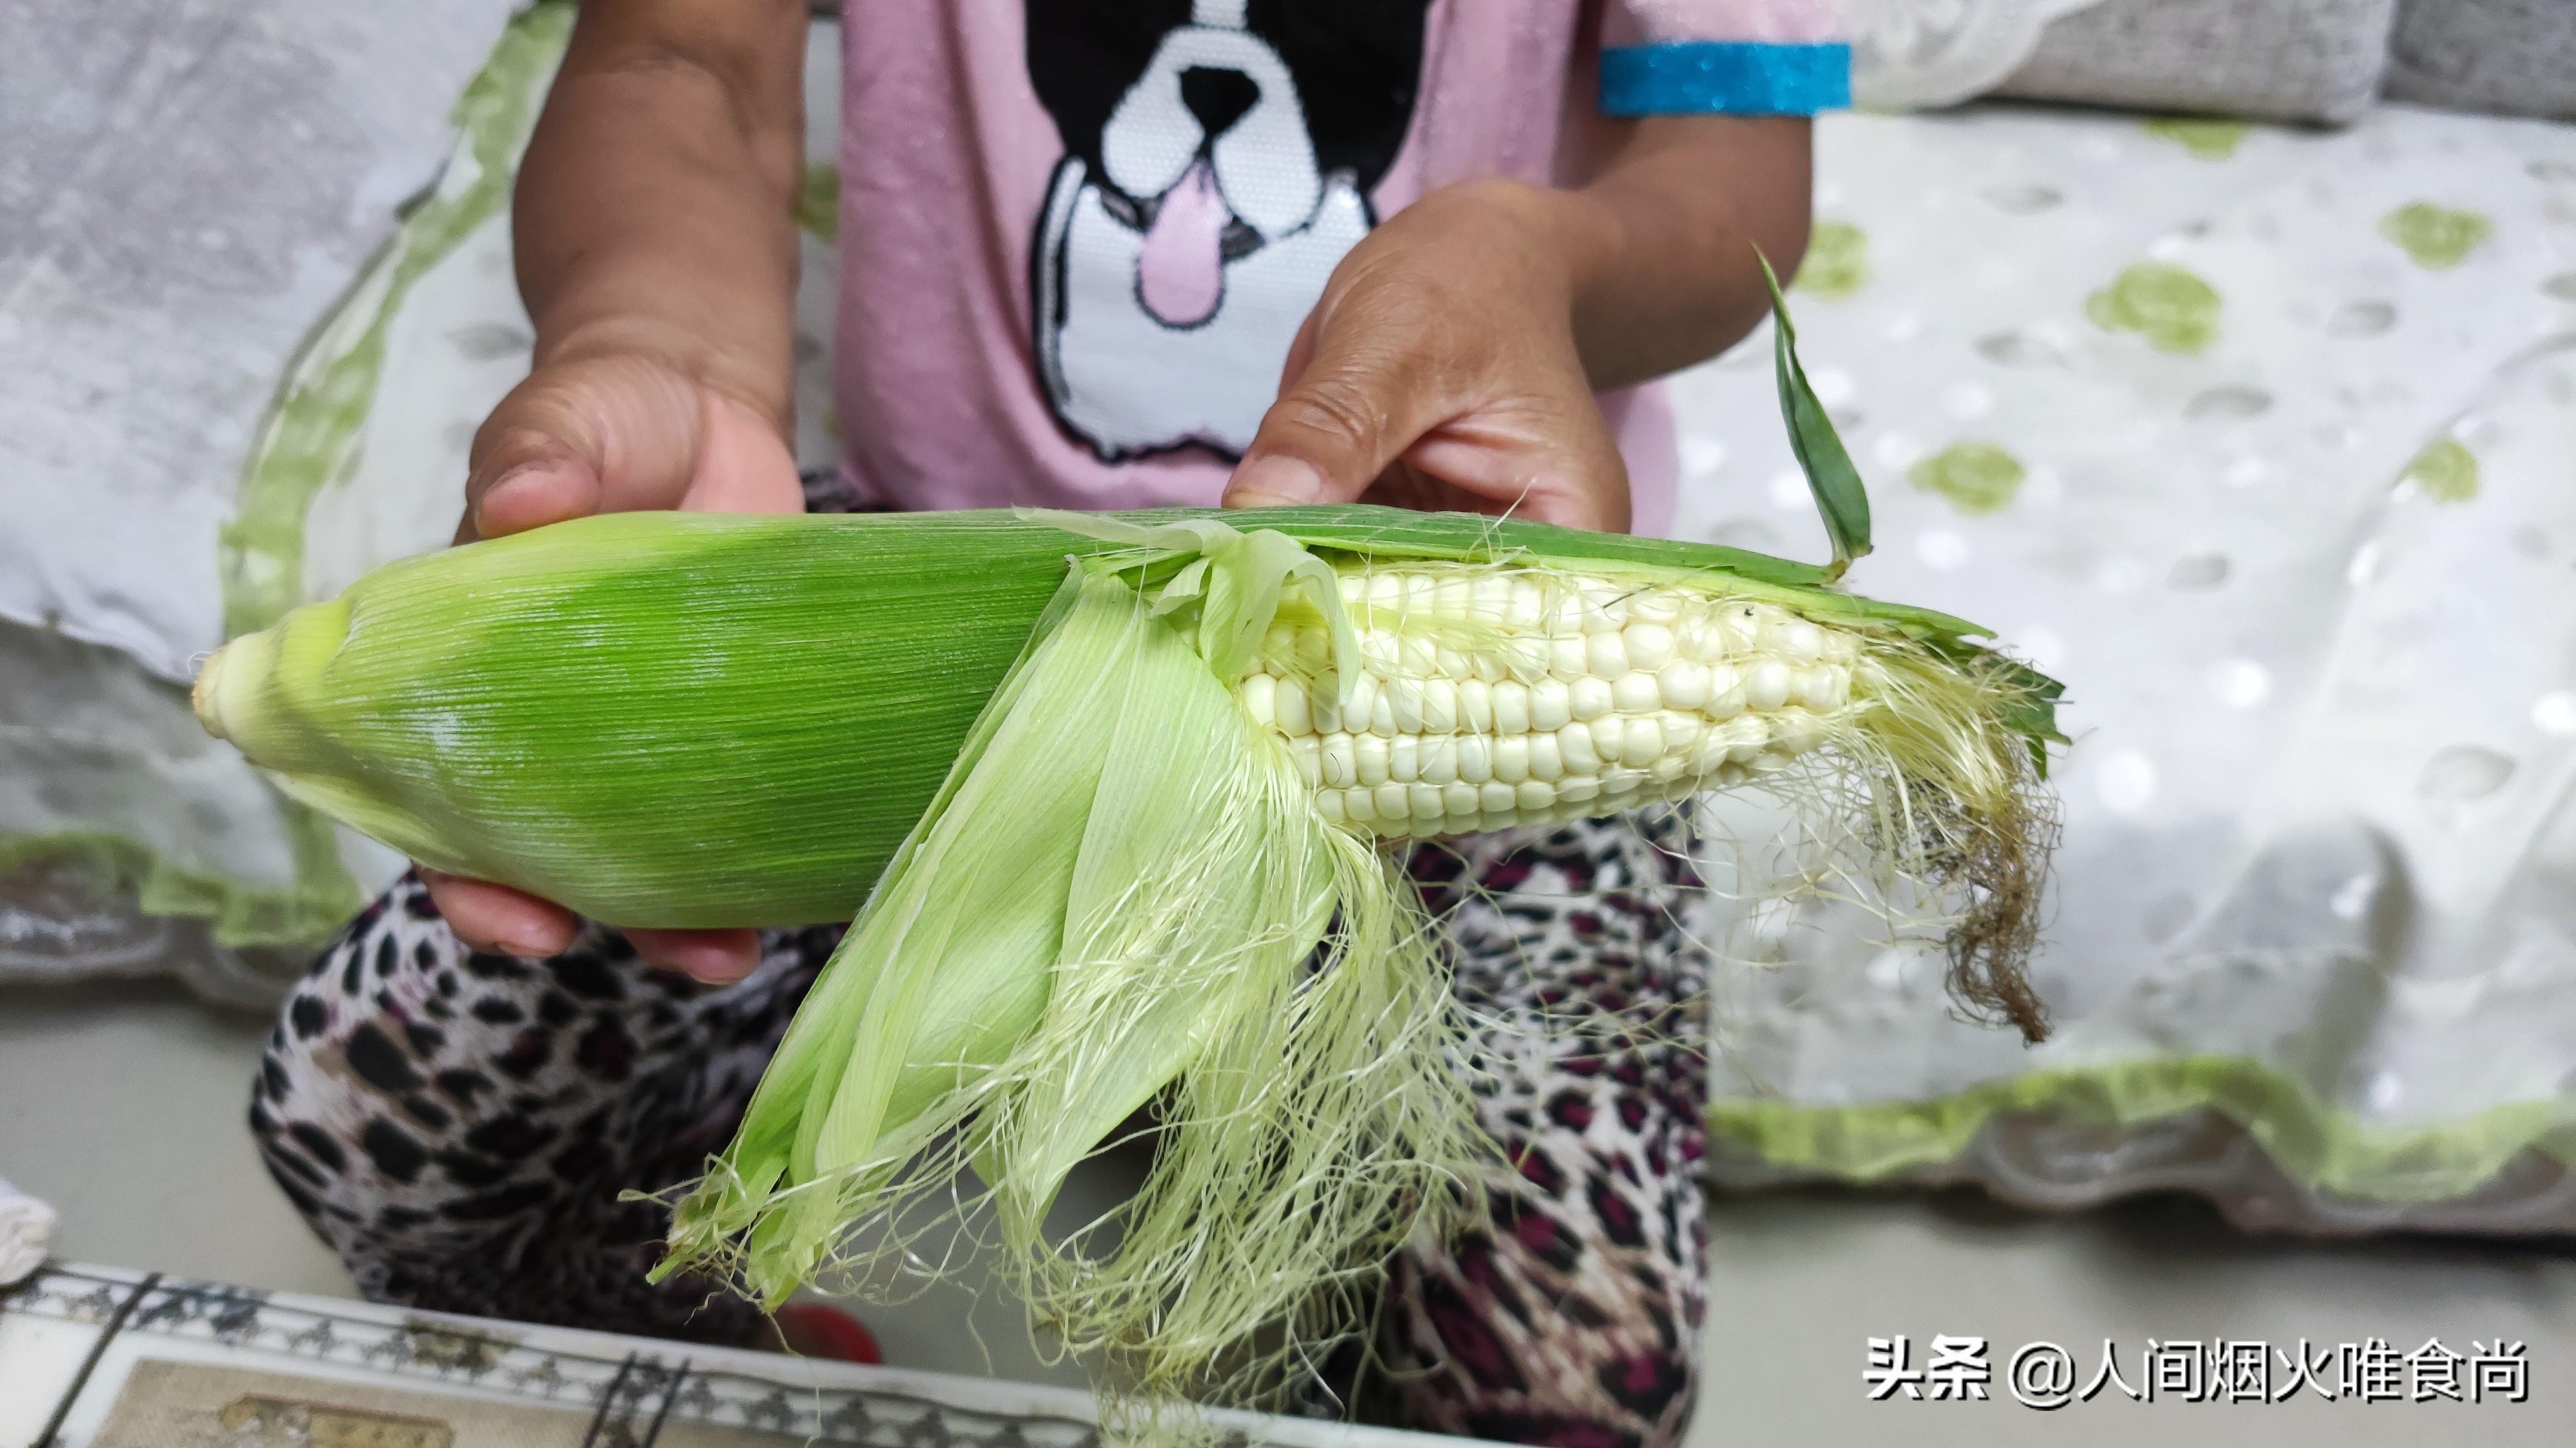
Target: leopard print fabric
<point>1573,1318</point>
<point>458,1126</point>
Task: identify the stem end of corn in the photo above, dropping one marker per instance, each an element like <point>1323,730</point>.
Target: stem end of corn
<point>206,696</point>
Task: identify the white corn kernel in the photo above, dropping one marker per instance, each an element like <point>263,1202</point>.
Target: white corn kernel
<point>1657,606</point>
<point>1448,663</point>
<point>1511,708</point>
<point>1605,607</point>
<point>1314,651</point>
<point>1641,742</point>
<point>1528,608</point>
<point>1451,596</point>
<point>1421,656</point>
<point>1637,694</point>
<point>1741,627</point>
<point>1574,746</point>
<point>1386,591</point>
<point>1496,798</point>
<point>1682,732</point>
<point>1683,684</point>
<point>1309,760</point>
<point>1588,698</point>
<point>1368,759</point>
<point>1323,703</point>
<point>1341,771</point>
<point>1579,789</point>
<point>1424,800</point>
<point>1568,659</point>
<point>1746,736</point>
<point>1475,755</point>
<point>1362,702</point>
<point>1512,758</point>
<point>1288,711</point>
<point>1439,706</point>
<point>1360,805</point>
<point>1459,798</point>
<point>1330,803</point>
<point>1535,794</point>
<point>1488,666</point>
<point>1394,801</point>
<point>1551,706</point>
<point>1404,703</point>
<point>1650,646</point>
<point>1811,687</point>
<point>1711,754</point>
<point>1403,759</point>
<point>1798,731</point>
<point>1546,760</point>
<point>1609,737</point>
<point>1766,686</point>
<point>1565,613</point>
<point>1382,715</point>
<point>1725,692</point>
<point>1605,655</point>
<point>1259,694</point>
<point>1439,759</point>
<point>1475,706</point>
<point>1700,639</point>
<point>1804,641</point>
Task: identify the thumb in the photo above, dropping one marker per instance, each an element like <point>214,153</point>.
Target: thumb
<point>581,438</point>
<point>1359,401</point>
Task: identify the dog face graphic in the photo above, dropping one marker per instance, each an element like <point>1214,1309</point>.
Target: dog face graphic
<point>1219,156</point>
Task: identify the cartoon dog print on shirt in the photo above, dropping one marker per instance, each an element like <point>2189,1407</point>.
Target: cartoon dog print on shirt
<point>1219,156</point>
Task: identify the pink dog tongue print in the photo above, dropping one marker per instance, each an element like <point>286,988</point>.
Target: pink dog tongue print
<point>1180,272</point>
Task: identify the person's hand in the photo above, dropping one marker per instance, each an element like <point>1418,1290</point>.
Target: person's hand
<point>614,432</point>
<point>1439,370</point>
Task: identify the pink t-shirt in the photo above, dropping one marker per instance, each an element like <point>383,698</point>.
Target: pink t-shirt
<point>1078,236</point>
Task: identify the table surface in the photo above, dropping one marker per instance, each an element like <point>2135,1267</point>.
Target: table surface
<point>122,1105</point>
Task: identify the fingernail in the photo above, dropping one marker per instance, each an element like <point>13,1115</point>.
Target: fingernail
<point>726,972</point>
<point>515,480</point>
<point>524,951</point>
<point>1268,482</point>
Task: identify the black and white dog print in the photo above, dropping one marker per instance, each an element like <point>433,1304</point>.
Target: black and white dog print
<point>1219,156</point>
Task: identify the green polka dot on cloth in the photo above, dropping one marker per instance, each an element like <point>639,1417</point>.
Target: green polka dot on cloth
<point>1837,263</point>
<point>1977,477</point>
<point>2210,140</point>
<point>818,201</point>
<point>2446,472</point>
<point>2437,237</point>
<point>2173,309</point>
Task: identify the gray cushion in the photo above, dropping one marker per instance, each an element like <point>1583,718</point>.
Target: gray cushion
<point>2291,60</point>
<point>2513,56</point>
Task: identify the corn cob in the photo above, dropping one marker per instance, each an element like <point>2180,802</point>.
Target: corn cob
<point>1107,796</point>
<point>685,719</point>
<point>1520,698</point>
